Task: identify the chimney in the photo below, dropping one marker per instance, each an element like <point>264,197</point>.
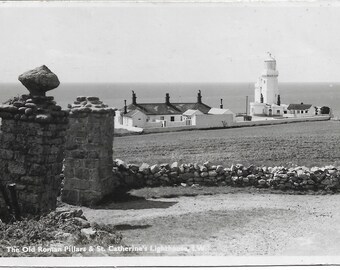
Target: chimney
<point>221,105</point>
<point>125,107</point>
<point>199,97</point>
<point>134,98</point>
<point>167,99</point>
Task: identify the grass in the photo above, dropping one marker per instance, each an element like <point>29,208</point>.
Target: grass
<point>303,144</point>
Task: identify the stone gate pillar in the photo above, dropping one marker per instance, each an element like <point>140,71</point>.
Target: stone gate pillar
<point>88,161</point>
<point>33,131</point>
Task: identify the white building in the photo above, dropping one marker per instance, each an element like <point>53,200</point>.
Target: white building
<point>302,110</point>
<point>190,116</point>
<point>267,96</point>
<point>167,114</point>
<point>216,117</point>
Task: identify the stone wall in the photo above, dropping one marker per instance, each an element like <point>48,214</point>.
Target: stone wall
<point>3,206</point>
<point>88,161</point>
<point>31,150</point>
<point>299,178</point>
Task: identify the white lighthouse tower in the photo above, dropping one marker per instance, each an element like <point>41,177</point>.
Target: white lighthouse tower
<point>270,88</point>
<point>267,97</point>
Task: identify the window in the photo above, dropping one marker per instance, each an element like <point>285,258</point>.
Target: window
<point>278,111</point>
<point>172,118</point>
<point>297,111</point>
<point>306,111</point>
<point>162,118</point>
<point>301,111</point>
<point>285,112</point>
<point>181,118</point>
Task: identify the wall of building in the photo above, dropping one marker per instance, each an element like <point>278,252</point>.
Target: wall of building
<point>175,124</point>
<point>212,121</point>
<point>297,113</point>
<point>150,121</point>
<point>136,120</point>
<point>149,124</point>
<point>127,121</point>
<point>264,109</point>
<point>257,108</point>
<point>177,118</point>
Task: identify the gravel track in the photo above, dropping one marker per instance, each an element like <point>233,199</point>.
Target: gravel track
<point>231,224</point>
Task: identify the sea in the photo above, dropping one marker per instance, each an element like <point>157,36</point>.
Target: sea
<point>234,95</point>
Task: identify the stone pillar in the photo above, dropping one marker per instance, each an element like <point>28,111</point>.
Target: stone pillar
<point>88,156</point>
<point>33,132</point>
<point>3,207</point>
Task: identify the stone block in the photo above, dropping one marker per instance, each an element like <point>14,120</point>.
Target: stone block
<point>37,169</point>
<point>6,154</point>
<point>70,196</point>
<point>15,167</point>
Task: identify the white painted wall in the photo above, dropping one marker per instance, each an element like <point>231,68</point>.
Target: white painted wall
<point>263,109</point>
<point>137,120</point>
<point>298,113</point>
<point>127,121</point>
<point>175,124</point>
<point>270,89</point>
<point>153,118</point>
<point>257,108</point>
<point>211,121</point>
<point>153,124</point>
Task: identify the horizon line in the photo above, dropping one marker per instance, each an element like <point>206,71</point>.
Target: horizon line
<point>187,82</point>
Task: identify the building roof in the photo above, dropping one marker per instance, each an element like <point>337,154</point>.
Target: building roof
<point>191,112</point>
<point>131,113</point>
<point>220,111</point>
<point>166,109</point>
<point>299,106</point>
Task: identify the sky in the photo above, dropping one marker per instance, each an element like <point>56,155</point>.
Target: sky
<point>164,42</point>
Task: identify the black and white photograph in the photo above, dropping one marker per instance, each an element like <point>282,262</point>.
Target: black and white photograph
<point>169,133</point>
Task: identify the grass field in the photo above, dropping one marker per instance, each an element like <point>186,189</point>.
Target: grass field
<point>303,144</point>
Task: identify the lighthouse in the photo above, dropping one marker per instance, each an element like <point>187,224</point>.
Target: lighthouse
<point>266,95</point>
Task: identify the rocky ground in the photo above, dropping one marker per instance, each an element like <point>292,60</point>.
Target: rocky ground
<point>64,232</point>
<point>249,222</point>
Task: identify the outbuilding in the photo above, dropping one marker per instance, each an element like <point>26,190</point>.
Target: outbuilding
<point>301,110</point>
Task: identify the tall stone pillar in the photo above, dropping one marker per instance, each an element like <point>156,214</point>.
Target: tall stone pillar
<point>33,131</point>
<point>88,161</point>
<point>3,207</point>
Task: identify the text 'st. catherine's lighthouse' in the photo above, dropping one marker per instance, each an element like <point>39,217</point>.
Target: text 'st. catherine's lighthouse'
<point>267,89</point>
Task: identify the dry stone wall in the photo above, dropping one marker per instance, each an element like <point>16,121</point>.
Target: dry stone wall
<point>88,161</point>
<point>32,142</point>
<point>299,178</point>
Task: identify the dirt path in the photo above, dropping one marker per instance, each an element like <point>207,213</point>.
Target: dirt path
<point>230,224</point>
